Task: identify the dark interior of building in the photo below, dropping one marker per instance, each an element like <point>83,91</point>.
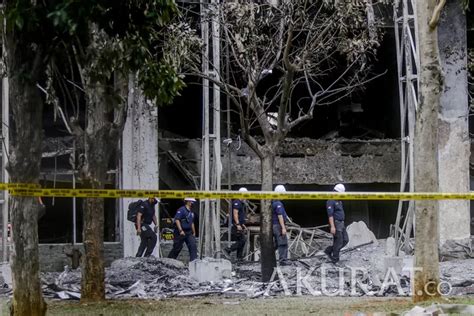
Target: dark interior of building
<point>371,113</point>
<point>56,224</point>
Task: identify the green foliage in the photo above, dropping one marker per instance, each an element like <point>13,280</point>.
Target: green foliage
<point>161,81</point>
<point>127,37</point>
<point>23,23</point>
<point>101,37</point>
<point>22,16</point>
<point>465,5</point>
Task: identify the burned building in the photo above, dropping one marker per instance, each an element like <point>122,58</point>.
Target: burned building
<point>361,140</point>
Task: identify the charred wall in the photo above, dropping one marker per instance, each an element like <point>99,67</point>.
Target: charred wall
<point>300,161</point>
<point>307,161</point>
<point>303,165</point>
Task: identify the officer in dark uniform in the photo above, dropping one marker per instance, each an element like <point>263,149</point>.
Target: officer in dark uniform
<point>336,223</point>
<point>279,219</point>
<point>238,227</point>
<point>184,231</point>
<point>145,216</point>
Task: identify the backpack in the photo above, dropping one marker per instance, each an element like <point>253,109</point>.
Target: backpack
<point>132,210</point>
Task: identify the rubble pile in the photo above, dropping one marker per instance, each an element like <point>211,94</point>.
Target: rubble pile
<point>362,271</point>
<point>441,309</point>
<point>5,290</point>
<point>129,277</point>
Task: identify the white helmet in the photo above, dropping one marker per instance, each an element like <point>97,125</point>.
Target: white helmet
<point>340,188</point>
<point>189,199</point>
<point>243,189</point>
<point>280,188</point>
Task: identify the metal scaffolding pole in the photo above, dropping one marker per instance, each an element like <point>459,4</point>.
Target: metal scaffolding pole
<point>407,64</point>
<point>205,157</point>
<point>5,142</point>
<point>211,165</point>
<point>216,101</point>
<point>74,201</point>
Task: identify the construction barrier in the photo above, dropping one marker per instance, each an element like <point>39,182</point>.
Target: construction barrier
<point>18,189</point>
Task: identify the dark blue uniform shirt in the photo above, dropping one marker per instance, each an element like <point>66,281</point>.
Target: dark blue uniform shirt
<point>335,209</point>
<point>278,209</point>
<point>148,210</point>
<point>240,207</point>
<point>186,218</point>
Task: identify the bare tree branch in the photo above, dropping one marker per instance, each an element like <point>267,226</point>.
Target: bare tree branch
<point>311,52</point>
<point>436,14</point>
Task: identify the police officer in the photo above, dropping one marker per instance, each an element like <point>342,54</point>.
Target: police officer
<point>279,219</point>
<point>184,231</point>
<point>145,216</point>
<point>336,216</point>
<point>238,227</point>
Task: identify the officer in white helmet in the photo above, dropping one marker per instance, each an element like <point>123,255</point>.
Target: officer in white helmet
<point>184,231</point>
<point>336,217</point>
<point>238,227</point>
<point>279,219</point>
<point>146,216</point>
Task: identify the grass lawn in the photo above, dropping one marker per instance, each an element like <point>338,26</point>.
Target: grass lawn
<point>232,306</point>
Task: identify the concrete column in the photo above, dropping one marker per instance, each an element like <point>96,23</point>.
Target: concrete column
<point>454,146</point>
<point>4,150</point>
<point>139,157</point>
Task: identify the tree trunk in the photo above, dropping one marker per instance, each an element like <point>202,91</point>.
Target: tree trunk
<point>104,123</point>
<point>27,295</point>
<point>25,65</point>
<point>97,149</point>
<point>426,156</point>
<point>93,273</point>
<point>268,261</point>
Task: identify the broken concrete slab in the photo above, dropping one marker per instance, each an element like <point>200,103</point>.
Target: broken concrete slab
<point>359,234</point>
<point>62,295</point>
<point>172,263</point>
<point>441,309</point>
<point>390,247</point>
<point>416,311</point>
<point>131,262</point>
<point>461,249</point>
<point>395,263</point>
<point>408,263</point>
<point>210,270</point>
<point>67,295</point>
<point>6,274</point>
<point>74,295</point>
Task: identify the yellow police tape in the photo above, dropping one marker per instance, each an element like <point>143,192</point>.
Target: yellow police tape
<point>19,189</point>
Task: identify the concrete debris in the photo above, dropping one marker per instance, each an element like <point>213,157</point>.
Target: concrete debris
<point>6,274</point>
<point>5,290</point>
<point>395,263</point>
<point>390,247</point>
<point>441,309</point>
<point>66,295</point>
<point>126,278</point>
<point>210,269</point>
<point>359,234</point>
<point>362,271</point>
<point>457,250</point>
